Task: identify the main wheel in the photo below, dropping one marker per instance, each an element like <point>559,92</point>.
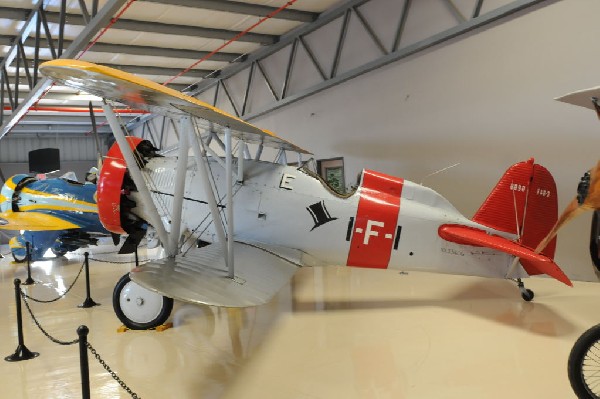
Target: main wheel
<point>584,364</point>
<point>139,308</point>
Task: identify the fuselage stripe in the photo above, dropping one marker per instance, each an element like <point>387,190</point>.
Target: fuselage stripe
<point>376,221</point>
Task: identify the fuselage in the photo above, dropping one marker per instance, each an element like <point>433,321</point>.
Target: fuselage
<point>387,222</point>
<point>68,203</point>
<point>69,200</point>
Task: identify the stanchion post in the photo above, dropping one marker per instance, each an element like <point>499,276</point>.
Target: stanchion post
<point>22,353</point>
<point>89,302</point>
<point>29,280</point>
<point>83,331</point>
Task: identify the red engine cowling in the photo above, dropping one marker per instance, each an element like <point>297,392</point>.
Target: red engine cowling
<point>111,190</point>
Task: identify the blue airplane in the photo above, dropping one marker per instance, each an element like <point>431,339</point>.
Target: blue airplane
<point>56,214</point>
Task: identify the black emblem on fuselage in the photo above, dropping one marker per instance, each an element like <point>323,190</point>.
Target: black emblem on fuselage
<point>319,214</point>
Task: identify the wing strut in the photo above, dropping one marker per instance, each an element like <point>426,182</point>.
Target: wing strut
<point>205,179</point>
<point>229,180</point>
<point>182,160</point>
<point>240,159</point>
<point>137,177</point>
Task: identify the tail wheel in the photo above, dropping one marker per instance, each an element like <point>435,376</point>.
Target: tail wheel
<point>527,295</point>
<point>139,308</point>
<point>584,363</point>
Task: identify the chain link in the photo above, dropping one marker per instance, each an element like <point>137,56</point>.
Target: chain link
<point>60,296</point>
<point>118,262</point>
<point>112,373</point>
<point>75,341</point>
<point>51,338</point>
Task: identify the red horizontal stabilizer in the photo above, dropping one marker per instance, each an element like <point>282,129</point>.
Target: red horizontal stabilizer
<point>532,263</point>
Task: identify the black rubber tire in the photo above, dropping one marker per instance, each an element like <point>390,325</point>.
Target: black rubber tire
<point>58,254</point>
<point>18,259</point>
<point>528,296</point>
<point>588,342</point>
<point>160,318</point>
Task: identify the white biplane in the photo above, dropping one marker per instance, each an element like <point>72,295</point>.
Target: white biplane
<point>254,223</point>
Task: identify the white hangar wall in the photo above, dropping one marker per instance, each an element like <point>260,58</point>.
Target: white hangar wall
<point>483,100</point>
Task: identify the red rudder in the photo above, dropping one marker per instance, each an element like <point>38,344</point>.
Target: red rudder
<point>524,202</point>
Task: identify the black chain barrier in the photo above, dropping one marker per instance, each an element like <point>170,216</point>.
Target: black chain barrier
<point>119,262</point>
<point>88,345</point>
<point>60,296</point>
<point>37,323</point>
<point>23,353</point>
<point>112,373</point>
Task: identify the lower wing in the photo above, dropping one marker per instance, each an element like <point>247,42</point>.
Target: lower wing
<point>533,263</point>
<point>33,221</point>
<point>201,276</point>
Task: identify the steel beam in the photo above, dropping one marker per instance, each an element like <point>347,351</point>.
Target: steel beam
<point>398,54</point>
<point>241,8</point>
<point>162,28</point>
<point>324,19</point>
<point>99,21</point>
<point>136,50</point>
<point>150,50</point>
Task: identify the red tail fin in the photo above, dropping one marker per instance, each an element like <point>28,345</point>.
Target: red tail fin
<point>524,202</point>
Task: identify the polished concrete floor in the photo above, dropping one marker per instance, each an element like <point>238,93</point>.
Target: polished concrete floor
<point>331,333</point>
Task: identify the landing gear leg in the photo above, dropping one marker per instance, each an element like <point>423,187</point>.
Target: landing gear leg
<point>526,293</point>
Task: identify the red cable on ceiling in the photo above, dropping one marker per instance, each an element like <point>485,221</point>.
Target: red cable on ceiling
<point>113,20</point>
<point>235,38</point>
<point>82,110</point>
<point>130,2</point>
<point>107,27</point>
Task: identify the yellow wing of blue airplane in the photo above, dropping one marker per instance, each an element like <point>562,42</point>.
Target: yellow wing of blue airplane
<point>132,90</point>
<point>33,221</point>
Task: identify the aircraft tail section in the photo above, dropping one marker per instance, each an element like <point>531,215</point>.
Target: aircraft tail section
<point>532,262</point>
<point>524,203</point>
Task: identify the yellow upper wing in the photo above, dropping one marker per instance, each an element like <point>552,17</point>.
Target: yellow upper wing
<point>33,221</point>
<point>141,93</point>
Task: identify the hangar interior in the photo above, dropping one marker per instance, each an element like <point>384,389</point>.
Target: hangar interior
<point>408,88</point>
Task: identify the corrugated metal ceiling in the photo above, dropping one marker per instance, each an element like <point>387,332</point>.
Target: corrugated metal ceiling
<point>155,39</point>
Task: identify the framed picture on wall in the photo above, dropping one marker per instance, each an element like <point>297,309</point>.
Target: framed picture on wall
<point>332,171</point>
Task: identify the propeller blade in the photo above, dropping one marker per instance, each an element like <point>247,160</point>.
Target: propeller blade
<point>584,201</point>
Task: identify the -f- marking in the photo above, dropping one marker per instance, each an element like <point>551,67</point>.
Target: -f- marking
<point>371,232</point>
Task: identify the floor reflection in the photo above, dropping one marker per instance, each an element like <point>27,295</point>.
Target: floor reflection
<point>337,289</point>
<point>332,332</point>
